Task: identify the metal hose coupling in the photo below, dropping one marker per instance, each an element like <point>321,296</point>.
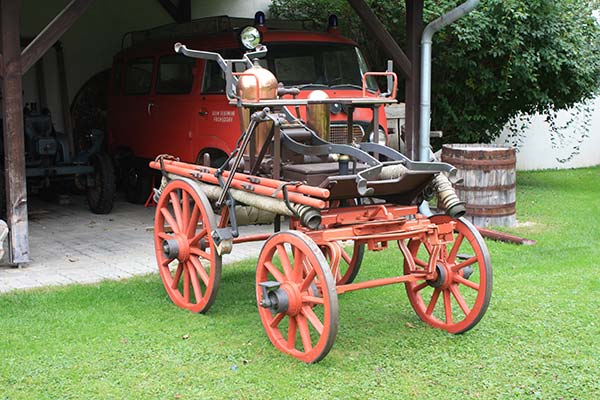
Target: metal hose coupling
<point>447,198</point>
<point>309,217</point>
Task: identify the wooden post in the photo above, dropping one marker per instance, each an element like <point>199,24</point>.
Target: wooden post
<point>378,31</point>
<point>14,148</point>
<point>52,32</point>
<point>64,95</point>
<point>414,29</point>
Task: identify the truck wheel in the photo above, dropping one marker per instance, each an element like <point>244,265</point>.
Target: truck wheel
<point>139,184</point>
<point>101,195</point>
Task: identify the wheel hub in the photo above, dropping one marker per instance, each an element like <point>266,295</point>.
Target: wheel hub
<point>177,247</point>
<point>281,298</point>
<point>441,276</point>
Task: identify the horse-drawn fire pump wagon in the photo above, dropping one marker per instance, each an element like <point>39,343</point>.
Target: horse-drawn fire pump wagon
<point>340,200</point>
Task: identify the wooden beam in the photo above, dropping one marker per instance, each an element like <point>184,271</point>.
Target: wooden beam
<point>376,29</point>
<point>52,32</point>
<point>14,147</point>
<point>173,10</point>
<point>414,30</point>
<point>185,10</point>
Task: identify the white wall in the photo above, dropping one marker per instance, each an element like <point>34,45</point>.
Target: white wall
<point>90,44</point>
<point>540,147</point>
<point>233,8</point>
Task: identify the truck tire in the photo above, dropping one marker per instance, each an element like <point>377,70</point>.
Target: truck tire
<point>138,183</point>
<point>101,196</point>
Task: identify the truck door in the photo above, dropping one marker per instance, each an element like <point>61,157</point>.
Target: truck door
<point>172,110</point>
<point>132,121</point>
<point>218,122</point>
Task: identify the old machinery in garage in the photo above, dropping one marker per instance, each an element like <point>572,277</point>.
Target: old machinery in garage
<point>340,199</point>
<point>49,161</point>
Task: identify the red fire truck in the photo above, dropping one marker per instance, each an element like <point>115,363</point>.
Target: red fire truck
<point>162,102</point>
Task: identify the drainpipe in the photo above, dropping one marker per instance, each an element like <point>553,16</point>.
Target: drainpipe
<point>426,41</point>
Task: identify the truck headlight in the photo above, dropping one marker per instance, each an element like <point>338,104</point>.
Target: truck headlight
<point>250,37</point>
<point>382,138</point>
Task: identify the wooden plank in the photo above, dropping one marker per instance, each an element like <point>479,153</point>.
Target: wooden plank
<point>185,10</point>
<point>414,29</point>
<point>376,29</point>
<point>14,147</point>
<point>173,10</point>
<point>52,32</point>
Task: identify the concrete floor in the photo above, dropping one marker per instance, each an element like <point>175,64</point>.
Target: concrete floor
<point>69,244</point>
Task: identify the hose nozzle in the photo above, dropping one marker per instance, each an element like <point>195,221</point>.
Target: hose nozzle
<point>447,197</point>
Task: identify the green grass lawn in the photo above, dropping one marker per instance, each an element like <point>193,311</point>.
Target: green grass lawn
<point>539,339</point>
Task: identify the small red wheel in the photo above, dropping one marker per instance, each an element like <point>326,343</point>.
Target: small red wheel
<point>350,260</point>
<point>296,296</point>
<point>459,296</point>
<point>188,263</point>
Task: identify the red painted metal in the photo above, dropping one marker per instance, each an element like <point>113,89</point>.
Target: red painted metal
<point>237,184</point>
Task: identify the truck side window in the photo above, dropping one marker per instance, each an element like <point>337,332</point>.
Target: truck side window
<point>138,78</point>
<point>175,74</point>
<point>214,78</point>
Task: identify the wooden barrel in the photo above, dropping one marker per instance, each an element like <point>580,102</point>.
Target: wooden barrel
<point>489,181</point>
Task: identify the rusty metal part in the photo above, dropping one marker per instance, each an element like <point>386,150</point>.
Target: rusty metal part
<point>447,196</point>
<point>505,237</point>
<point>493,210</point>
<point>317,115</point>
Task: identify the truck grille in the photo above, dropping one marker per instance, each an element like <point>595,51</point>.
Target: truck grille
<point>338,133</point>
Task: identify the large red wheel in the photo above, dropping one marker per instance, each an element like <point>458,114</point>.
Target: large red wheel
<point>458,297</point>
<point>189,266</point>
<point>297,301</point>
<point>346,265</point>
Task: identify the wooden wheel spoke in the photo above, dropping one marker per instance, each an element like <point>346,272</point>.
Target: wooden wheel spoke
<point>186,285</point>
<point>460,299</point>
<point>276,320</point>
<point>193,221</point>
<point>176,202</point>
<point>420,262</point>
<point>308,280</point>
<point>447,307</point>
<point>313,300</point>
<point>347,257</point>
<point>275,271</point>
<point>195,284</point>
<point>434,298</point>
<point>202,254</point>
<point>466,282</point>
<point>170,220</point>
<point>304,332</point>
<point>194,240</point>
<point>200,270</point>
<point>292,331</point>
<point>455,247</point>
<point>285,261</point>
<point>466,263</point>
<point>313,319</point>
<point>185,202</point>
<point>177,277</point>
<point>420,287</point>
<point>165,236</point>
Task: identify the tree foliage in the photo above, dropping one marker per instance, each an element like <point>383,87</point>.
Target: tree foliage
<point>507,58</point>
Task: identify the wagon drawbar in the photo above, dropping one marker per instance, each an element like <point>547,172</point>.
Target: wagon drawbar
<point>340,199</point>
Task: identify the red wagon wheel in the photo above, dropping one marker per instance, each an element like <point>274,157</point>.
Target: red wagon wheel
<point>295,290</point>
<point>189,266</point>
<point>459,296</point>
<point>351,255</point>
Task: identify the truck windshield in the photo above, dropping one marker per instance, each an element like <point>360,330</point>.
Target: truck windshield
<point>319,64</point>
